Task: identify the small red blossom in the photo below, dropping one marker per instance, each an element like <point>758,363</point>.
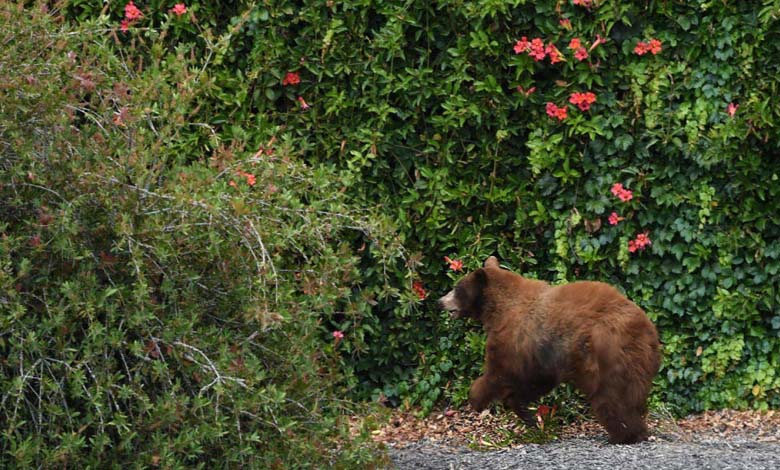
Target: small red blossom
<point>554,53</point>
<point>575,44</point>
<point>522,45</point>
<point>622,193</point>
<point>338,334</point>
<point>179,9</point>
<point>124,26</point>
<point>581,54</point>
<point>304,104</point>
<point>641,48</point>
<point>292,78</point>
<point>132,12</point>
<point>583,100</point>
<point>455,264</point>
<point>418,289</point>
<point>565,24</point>
<point>554,111</point>
<point>641,242</point>
<point>525,92</point>
<point>599,40</point>
<point>654,46</point>
<point>537,49</point>
<point>732,109</point>
<point>614,218</point>
<point>583,3</point>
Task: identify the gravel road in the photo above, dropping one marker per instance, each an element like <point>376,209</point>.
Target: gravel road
<point>595,453</point>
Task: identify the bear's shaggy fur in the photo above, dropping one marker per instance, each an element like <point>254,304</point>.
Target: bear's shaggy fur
<point>585,333</point>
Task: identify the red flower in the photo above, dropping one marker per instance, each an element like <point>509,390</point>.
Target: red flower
<point>599,40</point>
<point>581,54</point>
<point>124,26</point>
<point>583,3</point>
<point>292,78</point>
<point>537,49</point>
<point>641,242</point>
<point>556,112</point>
<point>641,48</point>
<point>583,100</point>
<point>565,24</point>
<point>554,53</point>
<point>132,12</point>
<point>522,45</point>
<point>418,289</point>
<point>575,44</point>
<point>622,193</point>
<point>614,218</point>
<point>179,9</point>
<point>732,109</point>
<point>338,334</point>
<point>654,46</point>
<point>455,264</point>
<point>304,104</point>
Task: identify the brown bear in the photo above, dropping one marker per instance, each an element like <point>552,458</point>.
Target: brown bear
<point>584,333</point>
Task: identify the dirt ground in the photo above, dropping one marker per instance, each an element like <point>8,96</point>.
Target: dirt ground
<point>498,429</point>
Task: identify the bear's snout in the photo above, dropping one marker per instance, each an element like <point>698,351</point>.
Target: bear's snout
<point>449,303</point>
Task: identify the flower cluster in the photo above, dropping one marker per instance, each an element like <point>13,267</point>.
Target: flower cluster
<point>291,78</point>
<point>580,53</point>
<point>455,264</point>
<point>653,46</point>
<point>583,100</point>
<point>251,179</point>
<point>179,9</point>
<point>132,13</point>
<point>536,49</point>
<point>583,3</point>
<point>418,289</point>
<point>622,193</point>
<point>556,112</point>
<point>641,241</point>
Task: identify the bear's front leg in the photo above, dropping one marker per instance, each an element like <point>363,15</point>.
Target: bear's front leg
<point>483,392</point>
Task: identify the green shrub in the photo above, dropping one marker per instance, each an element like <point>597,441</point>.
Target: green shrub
<point>168,295</point>
<point>427,112</point>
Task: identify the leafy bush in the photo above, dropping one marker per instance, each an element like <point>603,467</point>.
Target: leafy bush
<point>436,113</point>
<point>168,295</point>
<point>442,117</point>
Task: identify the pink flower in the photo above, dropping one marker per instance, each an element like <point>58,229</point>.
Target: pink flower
<point>537,49</point>
<point>179,9</point>
<point>554,53</point>
<point>614,218</point>
<point>622,193</point>
<point>583,100</point>
<point>599,40</point>
<point>338,335</point>
<point>641,242</point>
<point>455,264</point>
<point>575,44</point>
<point>654,46</point>
<point>523,45</point>
<point>124,26</point>
<point>583,3</point>
<point>292,78</point>
<point>581,54</point>
<point>732,109</point>
<point>132,12</point>
<point>304,104</point>
<point>565,24</point>
<point>556,112</point>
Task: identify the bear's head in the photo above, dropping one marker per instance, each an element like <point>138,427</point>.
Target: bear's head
<point>467,298</point>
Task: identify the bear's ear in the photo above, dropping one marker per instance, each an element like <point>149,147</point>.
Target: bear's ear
<point>492,262</point>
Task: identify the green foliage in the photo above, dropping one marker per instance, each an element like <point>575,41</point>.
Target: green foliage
<point>164,301</point>
<point>423,111</point>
